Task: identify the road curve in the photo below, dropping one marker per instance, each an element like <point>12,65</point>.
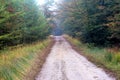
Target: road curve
<point>64,63</point>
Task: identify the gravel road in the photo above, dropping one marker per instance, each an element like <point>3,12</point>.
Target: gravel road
<point>64,63</point>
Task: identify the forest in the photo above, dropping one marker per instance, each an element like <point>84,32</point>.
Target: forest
<point>21,22</point>
<point>27,31</point>
<point>93,21</point>
<point>23,32</point>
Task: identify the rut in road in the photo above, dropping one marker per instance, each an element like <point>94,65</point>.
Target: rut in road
<point>64,63</point>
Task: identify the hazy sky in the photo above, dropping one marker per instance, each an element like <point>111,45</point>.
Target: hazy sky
<point>43,1</point>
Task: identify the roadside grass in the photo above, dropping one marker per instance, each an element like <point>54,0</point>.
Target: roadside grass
<point>102,57</point>
<point>15,63</point>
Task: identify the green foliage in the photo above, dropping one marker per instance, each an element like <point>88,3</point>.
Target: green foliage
<point>21,22</point>
<point>97,35</point>
<point>109,57</point>
<point>92,22</point>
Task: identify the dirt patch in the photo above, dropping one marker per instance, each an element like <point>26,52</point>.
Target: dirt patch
<point>38,63</point>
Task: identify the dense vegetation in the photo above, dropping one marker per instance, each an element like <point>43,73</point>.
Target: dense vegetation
<point>92,21</point>
<point>21,21</point>
<point>15,64</point>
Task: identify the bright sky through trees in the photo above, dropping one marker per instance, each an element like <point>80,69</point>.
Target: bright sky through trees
<point>40,2</point>
<point>43,1</point>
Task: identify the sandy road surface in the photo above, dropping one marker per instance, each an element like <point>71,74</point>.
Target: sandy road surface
<point>64,63</point>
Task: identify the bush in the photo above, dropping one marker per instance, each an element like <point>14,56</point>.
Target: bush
<point>109,57</point>
<point>97,35</point>
<point>116,59</point>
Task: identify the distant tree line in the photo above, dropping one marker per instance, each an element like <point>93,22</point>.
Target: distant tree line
<point>21,21</point>
<point>92,21</point>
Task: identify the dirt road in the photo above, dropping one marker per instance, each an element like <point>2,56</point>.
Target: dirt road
<point>64,63</point>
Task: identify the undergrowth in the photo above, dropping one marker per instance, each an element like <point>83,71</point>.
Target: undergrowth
<point>15,63</point>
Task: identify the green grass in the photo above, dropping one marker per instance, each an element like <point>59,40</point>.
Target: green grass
<point>15,63</point>
<point>100,56</point>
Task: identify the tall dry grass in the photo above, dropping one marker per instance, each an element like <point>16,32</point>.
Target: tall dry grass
<point>15,63</point>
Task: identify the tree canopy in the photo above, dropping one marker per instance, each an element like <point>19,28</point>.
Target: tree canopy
<point>92,21</point>
<point>21,21</point>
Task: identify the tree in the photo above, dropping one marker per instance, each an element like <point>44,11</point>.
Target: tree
<point>92,21</point>
<point>21,22</point>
